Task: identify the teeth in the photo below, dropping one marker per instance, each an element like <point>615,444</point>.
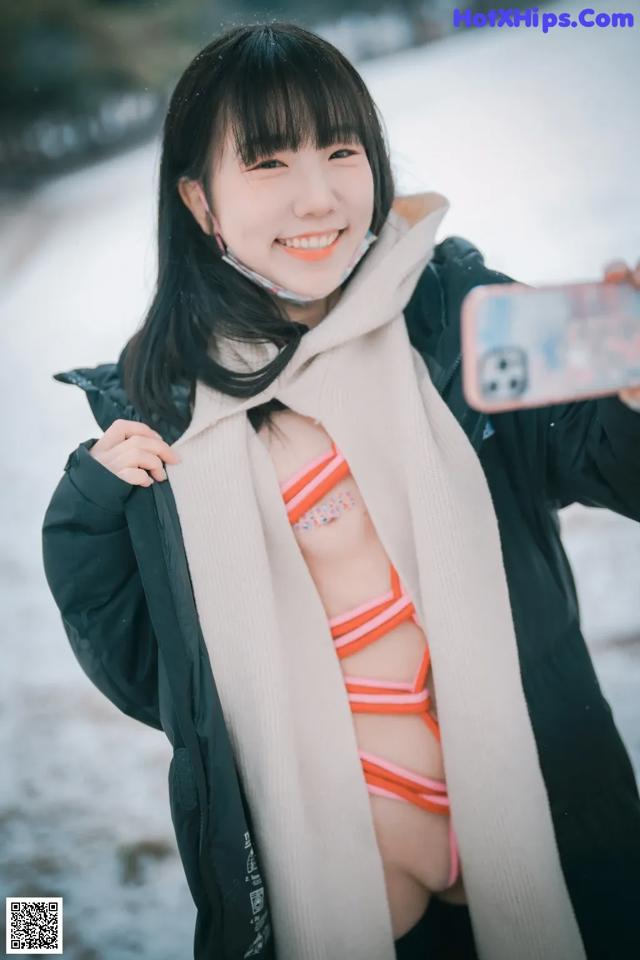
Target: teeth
<point>311,242</point>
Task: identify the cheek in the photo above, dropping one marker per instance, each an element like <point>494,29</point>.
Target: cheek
<point>363,194</point>
<point>247,218</point>
<point>247,233</point>
<point>260,226</point>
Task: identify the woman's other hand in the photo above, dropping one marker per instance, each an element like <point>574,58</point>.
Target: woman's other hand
<point>617,271</point>
<point>129,449</point>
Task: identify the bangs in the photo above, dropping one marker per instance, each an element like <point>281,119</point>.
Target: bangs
<point>281,95</point>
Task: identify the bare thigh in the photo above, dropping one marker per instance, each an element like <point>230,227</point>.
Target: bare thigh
<point>408,900</point>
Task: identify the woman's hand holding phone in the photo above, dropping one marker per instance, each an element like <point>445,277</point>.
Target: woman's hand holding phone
<point>134,452</point>
<point>526,346</point>
<point>618,272</point>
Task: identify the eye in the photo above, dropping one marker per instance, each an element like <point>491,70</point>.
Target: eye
<point>263,164</point>
<point>345,150</point>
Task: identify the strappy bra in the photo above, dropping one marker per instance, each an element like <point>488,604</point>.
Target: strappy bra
<point>356,629</point>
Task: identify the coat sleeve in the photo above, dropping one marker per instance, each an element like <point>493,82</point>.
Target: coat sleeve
<point>92,573</point>
<point>592,454</point>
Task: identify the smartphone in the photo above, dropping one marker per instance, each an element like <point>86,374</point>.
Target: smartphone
<point>526,346</point>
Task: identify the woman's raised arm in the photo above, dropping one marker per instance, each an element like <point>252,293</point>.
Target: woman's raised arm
<point>92,572</point>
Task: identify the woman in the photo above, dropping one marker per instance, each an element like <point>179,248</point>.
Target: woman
<point>349,609</point>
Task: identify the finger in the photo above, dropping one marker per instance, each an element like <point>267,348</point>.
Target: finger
<point>121,430</point>
<point>631,397</point>
<point>157,446</point>
<point>136,476</point>
<point>123,458</point>
<point>616,271</point>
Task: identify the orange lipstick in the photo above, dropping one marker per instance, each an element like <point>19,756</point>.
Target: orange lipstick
<point>310,255</point>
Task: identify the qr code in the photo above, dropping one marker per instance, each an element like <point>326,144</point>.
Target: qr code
<point>34,925</point>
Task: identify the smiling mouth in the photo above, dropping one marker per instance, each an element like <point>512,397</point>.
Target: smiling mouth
<point>312,253</point>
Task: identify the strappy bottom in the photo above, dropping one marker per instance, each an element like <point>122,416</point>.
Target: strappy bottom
<point>443,932</point>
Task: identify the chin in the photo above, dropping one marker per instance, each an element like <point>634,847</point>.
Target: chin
<point>317,297</point>
<point>318,292</point>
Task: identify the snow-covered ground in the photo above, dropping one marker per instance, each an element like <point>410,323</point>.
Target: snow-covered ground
<point>534,138</point>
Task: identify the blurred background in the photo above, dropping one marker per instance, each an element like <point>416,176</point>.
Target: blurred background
<point>533,137</point>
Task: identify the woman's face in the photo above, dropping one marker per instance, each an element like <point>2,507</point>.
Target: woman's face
<point>290,195</point>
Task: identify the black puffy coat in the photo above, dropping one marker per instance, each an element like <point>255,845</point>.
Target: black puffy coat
<point>116,565</point>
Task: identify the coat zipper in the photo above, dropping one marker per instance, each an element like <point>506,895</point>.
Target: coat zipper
<point>451,373</point>
<point>210,880</point>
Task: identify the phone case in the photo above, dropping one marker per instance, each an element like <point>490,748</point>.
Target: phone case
<point>532,346</point>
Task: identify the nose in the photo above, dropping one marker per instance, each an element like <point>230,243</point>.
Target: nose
<point>315,195</point>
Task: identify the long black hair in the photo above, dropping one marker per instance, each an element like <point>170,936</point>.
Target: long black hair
<point>274,86</point>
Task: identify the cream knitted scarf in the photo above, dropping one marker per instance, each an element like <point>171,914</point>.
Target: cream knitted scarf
<point>272,655</point>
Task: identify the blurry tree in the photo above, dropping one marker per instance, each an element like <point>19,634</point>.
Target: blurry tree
<point>68,53</point>
<point>81,76</point>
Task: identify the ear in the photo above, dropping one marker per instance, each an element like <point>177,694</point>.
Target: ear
<point>194,199</point>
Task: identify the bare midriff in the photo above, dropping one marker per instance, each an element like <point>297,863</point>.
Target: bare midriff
<point>349,567</point>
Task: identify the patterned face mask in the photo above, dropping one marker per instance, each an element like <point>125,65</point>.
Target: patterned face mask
<point>229,257</point>
<point>284,292</point>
